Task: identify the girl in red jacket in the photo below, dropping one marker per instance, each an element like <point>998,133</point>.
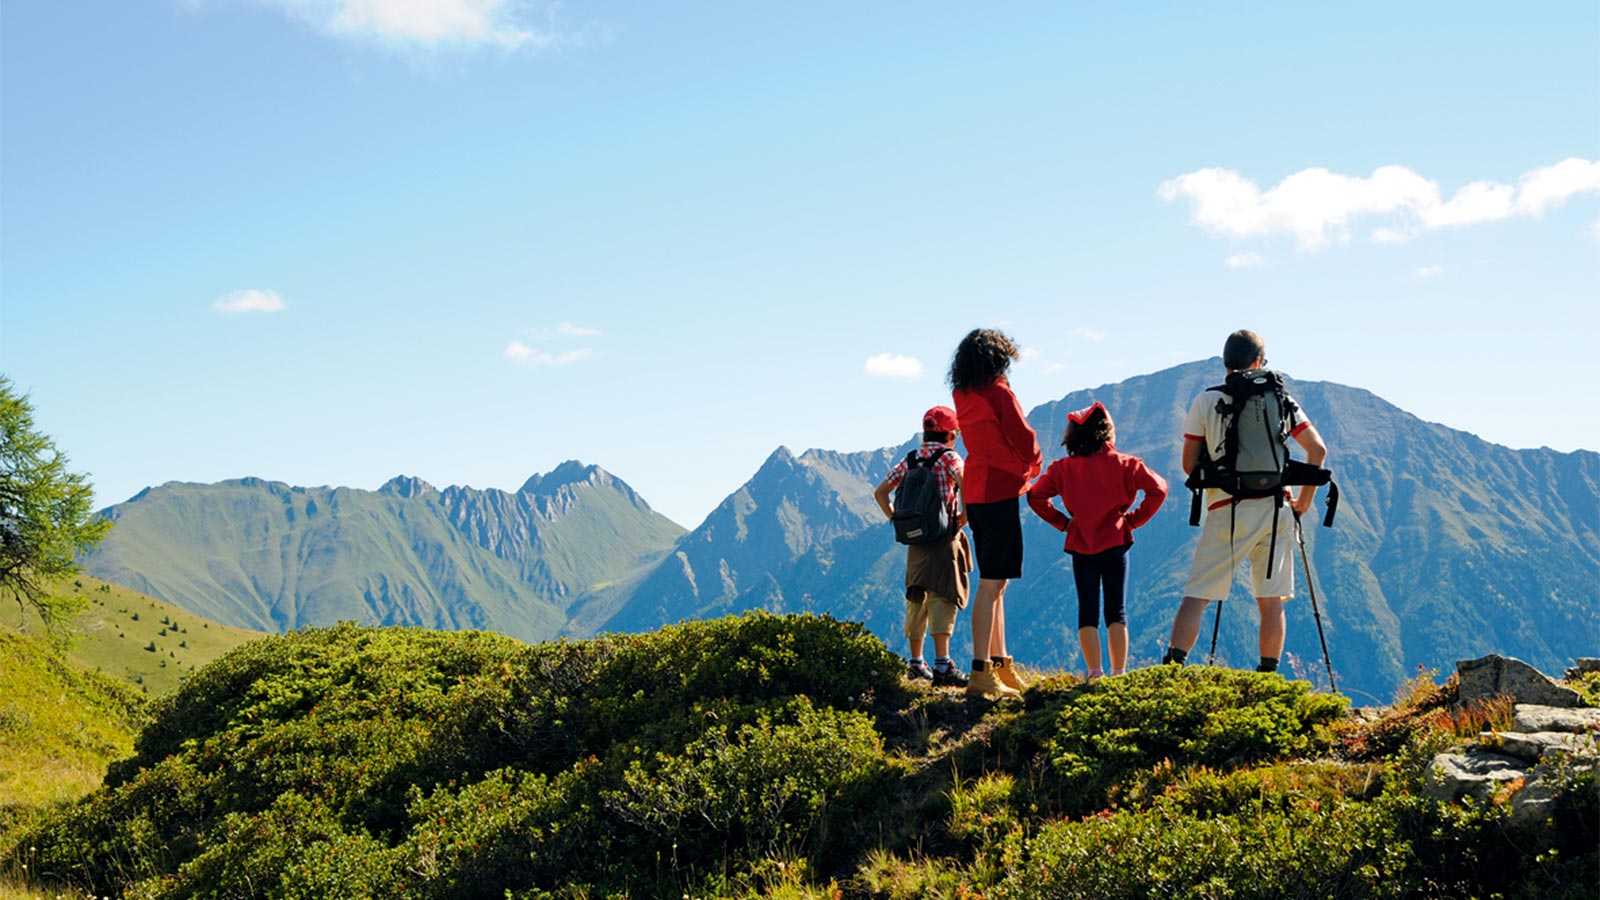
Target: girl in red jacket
<point>1097,485</point>
<point>1002,458</point>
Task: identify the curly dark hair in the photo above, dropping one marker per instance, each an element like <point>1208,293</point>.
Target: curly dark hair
<point>1089,438</point>
<point>983,356</point>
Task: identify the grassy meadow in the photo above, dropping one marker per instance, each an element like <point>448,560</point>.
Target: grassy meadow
<point>136,638</point>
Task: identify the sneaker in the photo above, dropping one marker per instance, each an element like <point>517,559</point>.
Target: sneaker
<point>951,677</point>
<point>919,671</point>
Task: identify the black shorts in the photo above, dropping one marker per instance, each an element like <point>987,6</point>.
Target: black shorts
<point>997,532</point>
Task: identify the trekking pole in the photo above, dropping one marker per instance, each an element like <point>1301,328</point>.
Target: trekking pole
<point>1311,586</point>
<point>1215,624</point>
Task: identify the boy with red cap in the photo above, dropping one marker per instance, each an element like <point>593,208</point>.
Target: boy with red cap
<point>1098,485</point>
<point>937,577</point>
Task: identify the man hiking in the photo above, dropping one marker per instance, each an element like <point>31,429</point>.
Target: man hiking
<point>1229,427</point>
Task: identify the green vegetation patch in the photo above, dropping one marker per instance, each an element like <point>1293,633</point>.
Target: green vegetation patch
<point>774,757</point>
<point>1094,737</point>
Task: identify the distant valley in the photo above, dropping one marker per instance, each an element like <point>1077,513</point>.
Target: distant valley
<point>1446,546</point>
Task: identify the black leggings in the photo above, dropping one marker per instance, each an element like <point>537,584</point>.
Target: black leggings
<point>1091,571</point>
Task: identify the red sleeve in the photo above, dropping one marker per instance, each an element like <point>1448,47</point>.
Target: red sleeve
<point>1018,433</point>
<point>1039,497</point>
<point>1155,492</point>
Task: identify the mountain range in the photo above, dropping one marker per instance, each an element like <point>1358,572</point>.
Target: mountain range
<point>1445,547</point>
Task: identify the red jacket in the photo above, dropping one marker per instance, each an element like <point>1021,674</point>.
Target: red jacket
<point>1002,450</point>
<point>1097,490</point>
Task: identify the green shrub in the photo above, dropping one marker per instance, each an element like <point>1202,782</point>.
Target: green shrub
<point>752,658</point>
<point>1254,852</point>
<point>749,791</point>
<point>295,850</point>
<point>510,829</point>
<point>1094,737</point>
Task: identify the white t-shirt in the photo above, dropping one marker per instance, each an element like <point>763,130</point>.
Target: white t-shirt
<point>1204,423</point>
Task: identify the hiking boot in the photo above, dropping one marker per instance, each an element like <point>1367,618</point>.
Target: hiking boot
<point>1007,673</point>
<point>951,677</point>
<point>919,671</point>
<point>985,683</point>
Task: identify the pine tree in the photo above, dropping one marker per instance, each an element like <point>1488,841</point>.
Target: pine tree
<point>46,518</point>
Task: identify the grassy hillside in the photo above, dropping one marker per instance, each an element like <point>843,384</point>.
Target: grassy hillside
<point>774,756</point>
<point>60,726</point>
<point>137,638</point>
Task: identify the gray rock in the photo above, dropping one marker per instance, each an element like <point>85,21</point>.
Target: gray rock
<point>1493,675</point>
<point>1530,718</point>
<point>1586,664</point>
<point>1531,747</point>
<point>1535,803</point>
<point>1533,806</point>
<point>1475,773</point>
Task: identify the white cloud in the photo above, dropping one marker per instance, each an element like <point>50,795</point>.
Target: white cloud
<point>571,330</point>
<point>1088,334</point>
<point>1553,185</point>
<point>1027,353</point>
<point>237,303</point>
<point>418,23</point>
<point>1428,271</point>
<point>1051,368</point>
<point>1245,260</point>
<point>1317,206</point>
<point>524,355</point>
<point>893,365</point>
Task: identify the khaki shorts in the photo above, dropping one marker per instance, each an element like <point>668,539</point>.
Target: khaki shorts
<point>933,614</point>
<point>1215,560</point>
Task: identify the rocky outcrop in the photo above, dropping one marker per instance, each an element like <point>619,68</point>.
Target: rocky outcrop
<point>1545,743</point>
<point>1496,675</point>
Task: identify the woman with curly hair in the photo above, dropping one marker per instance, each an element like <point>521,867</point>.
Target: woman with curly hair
<point>1098,485</point>
<point>1002,458</point>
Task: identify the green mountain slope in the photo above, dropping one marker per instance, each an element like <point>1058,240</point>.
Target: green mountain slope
<point>137,638</point>
<point>790,506</point>
<point>268,556</point>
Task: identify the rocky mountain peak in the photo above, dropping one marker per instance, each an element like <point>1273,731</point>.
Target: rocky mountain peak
<point>406,486</point>
<point>570,472</point>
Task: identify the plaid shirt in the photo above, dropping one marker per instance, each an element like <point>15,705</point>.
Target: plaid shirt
<point>945,470</point>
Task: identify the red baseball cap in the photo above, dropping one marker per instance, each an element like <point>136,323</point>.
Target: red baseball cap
<point>940,418</point>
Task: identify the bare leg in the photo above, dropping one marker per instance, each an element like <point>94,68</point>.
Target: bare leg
<point>1117,641</point>
<point>916,647</point>
<point>1089,643</point>
<point>941,646</point>
<point>983,616</point>
<point>1186,627</point>
<point>1272,626</point>
<point>997,639</point>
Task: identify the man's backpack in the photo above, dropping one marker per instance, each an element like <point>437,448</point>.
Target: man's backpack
<point>920,514</point>
<point>1256,411</point>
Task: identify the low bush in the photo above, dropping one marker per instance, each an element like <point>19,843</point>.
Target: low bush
<point>1092,738</point>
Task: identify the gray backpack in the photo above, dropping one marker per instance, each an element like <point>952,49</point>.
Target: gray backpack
<point>1256,411</point>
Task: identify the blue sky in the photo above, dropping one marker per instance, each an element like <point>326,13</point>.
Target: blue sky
<point>331,241</point>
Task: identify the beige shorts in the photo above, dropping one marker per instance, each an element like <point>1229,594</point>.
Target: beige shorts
<point>933,614</point>
<point>1215,559</point>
